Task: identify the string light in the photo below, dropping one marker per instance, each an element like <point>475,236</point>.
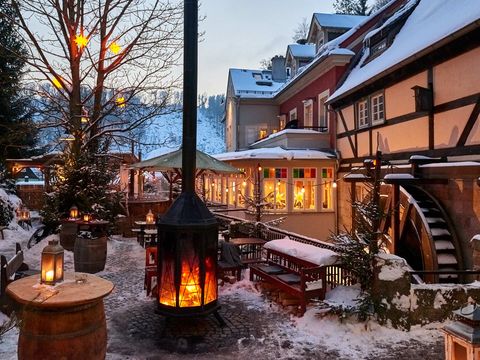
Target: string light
<point>120,101</point>
<point>81,41</point>
<point>57,83</point>
<point>115,48</point>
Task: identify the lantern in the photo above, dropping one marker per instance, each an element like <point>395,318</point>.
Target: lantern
<point>24,214</point>
<point>73,212</point>
<point>150,219</point>
<point>462,337</point>
<point>52,263</point>
<point>87,217</point>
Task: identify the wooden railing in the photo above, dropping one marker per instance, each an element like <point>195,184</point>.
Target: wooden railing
<point>337,275</point>
<point>267,232</point>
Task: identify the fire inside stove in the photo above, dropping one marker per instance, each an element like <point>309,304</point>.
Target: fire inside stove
<point>190,286</point>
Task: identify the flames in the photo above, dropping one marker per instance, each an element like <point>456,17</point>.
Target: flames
<point>190,294</point>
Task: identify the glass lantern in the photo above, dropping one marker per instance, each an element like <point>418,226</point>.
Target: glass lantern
<point>52,263</point>
<point>73,212</point>
<point>150,218</point>
<point>24,214</point>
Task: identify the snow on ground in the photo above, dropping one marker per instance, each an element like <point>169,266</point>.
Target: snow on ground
<point>286,336</point>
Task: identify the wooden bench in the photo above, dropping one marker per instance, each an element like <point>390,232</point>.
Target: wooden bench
<point>9,269</point>
<point>296,276</point>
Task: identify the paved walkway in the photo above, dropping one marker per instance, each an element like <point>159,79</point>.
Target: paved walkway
<point>136,332</point>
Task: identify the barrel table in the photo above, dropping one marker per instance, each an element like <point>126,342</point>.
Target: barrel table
<point>65,321</point>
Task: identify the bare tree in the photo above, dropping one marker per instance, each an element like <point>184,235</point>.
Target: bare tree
<point>301,31</point>
<point>100,68</point>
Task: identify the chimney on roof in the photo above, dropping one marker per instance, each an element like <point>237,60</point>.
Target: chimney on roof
<point>279,73</point>
<point>301,41</point>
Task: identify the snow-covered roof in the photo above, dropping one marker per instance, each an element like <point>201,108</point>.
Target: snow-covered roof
<point>253,83</point>
<point>420,31</point>
<point>275,153</point>
<point>338,20</point>
<point>302,50</point>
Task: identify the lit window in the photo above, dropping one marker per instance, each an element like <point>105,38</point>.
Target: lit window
<point>262,133</point>
<point>378,109</point>
<point>362,113</point>
<point>275,188</point>
<point>304,189</point>
<point>327,191</point>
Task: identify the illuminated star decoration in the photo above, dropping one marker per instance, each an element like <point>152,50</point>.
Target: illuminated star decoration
<point>115,48</point>
<point>81,41</point>
<point>120,101</point>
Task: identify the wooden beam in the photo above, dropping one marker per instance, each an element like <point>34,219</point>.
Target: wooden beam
<point>354,150</point>
<point>469,125</point>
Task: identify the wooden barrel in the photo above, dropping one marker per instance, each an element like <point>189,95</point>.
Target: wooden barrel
<point>73,333</point>
<point>68,234</point>
<point>90,254</point>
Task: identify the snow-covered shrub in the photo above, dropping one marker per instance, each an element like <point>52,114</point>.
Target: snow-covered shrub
<point>7,188</point>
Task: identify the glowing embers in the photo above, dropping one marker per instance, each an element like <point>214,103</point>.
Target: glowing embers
<point>190,286</point>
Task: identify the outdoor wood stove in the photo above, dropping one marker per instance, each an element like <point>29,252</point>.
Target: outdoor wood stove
<point>187,253</point>
<point>188,232</point>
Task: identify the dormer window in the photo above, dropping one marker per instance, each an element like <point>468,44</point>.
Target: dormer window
<point>378,48</point>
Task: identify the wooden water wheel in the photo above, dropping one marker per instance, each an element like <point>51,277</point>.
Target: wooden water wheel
<point>425,236</point>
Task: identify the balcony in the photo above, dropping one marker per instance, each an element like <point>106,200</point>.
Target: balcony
<point>300,138</point>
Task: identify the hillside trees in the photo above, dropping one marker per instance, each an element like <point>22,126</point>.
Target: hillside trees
<point>352,7</point>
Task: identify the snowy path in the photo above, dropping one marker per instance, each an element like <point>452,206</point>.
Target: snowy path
<point>255,327</point>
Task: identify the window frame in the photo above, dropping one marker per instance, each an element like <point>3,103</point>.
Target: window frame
<point>358,112</point>
<point>304,180</point>
<point>372,107</point>
<point>308,104</point>
<point>323,95</point>
<point>379,108</point>
<point>275,181</point>
<point>292,114</point>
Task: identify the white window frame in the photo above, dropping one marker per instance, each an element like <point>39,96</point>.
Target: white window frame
<point>308,121</point>
<point>321,106</point>
<point>362,114</point>
<point>292,115</point>
<point>377,108</point>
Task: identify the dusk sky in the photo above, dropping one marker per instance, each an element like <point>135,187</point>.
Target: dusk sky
<point>239,34</point>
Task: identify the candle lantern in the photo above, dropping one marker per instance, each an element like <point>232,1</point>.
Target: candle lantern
<point>150,218</point>
<point>24,214</point>
<point>52,263</point>
<point>73,212</point>
<point>87,217</point>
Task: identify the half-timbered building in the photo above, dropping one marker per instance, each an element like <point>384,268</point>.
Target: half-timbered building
<point>414,95</point>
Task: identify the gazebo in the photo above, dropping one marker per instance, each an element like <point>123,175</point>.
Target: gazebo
<point>170,164</point>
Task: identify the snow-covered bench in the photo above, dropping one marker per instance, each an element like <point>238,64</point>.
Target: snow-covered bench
<point>295,268</point>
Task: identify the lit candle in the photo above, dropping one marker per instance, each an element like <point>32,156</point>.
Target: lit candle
<point>49,275</point>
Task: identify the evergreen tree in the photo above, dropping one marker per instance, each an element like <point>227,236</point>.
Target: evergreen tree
<point>352,7</point>
<point>359,247</point>
<point>17,133</point>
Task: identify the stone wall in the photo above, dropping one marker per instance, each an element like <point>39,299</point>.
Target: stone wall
<point>406,304</point>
